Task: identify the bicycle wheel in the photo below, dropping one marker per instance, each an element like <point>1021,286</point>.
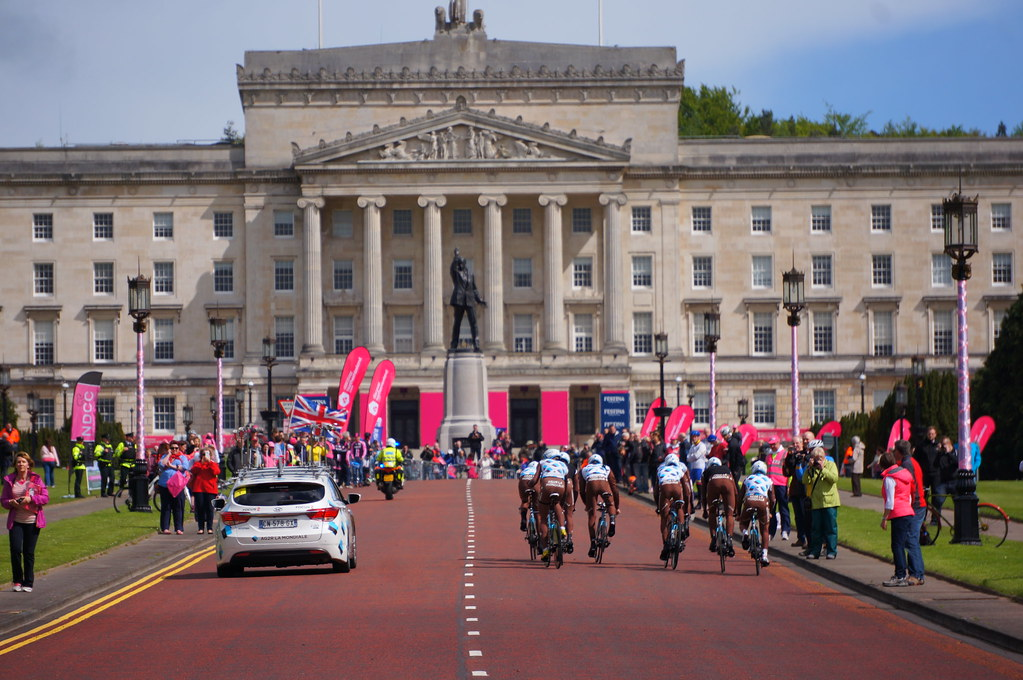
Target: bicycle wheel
<point>994,522</point>
<point>531,537</point>
<point>601,539</point>
<point>122,499</point>
<point>756,551</point>
<point>676,543</point>
<point>559,549</point>
<point>722,545</point>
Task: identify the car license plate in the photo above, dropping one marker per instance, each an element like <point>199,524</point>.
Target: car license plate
<point>388,478</point>
<point>289,523</point>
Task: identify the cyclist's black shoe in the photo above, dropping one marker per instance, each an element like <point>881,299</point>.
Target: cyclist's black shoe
<point>731,550</point>
<point>522,524</point>
<point>745,541</point>
<point>611,528</point>
<point>593,549</point>
<point>713,545</point>
<point>569,546</point>
<point>664,552</point>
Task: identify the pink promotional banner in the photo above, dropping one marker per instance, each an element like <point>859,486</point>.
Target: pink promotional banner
<point>554,418</point>
<point>678,422</point>
<point>352,373</point>
<point>651,420</point>
<point>981,431</point>
<point>749,435</point>
<point>376,405</point>
<point>834,428</point>
<point>83,409</point>
<point>900,430</point>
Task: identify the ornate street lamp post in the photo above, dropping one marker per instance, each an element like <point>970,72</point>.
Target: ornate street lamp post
<point>239,406</point>
<point>918,381</point>
<point>711,335</point>
<point>215,415</point>
<point>794,302</point>
<point>218,338</point>
<point>743,411</point>
<point>64,388</point>
<point>251,385</point>
<point>678,390</point>
<point>188,416</point>
<point>863,392</point>
<point>690,393</point>
<point>959,214</point>
<point>661,352</point>
<point>901,398</point>
<point>5,386</point>
<point>139,308</point>
<point>33,415</point>
<point>269,360</point>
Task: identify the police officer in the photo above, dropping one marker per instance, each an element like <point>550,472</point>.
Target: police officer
<point>104,455</point>
<point>390,456</point>
<point>124,455</point>
<point>78,464</point>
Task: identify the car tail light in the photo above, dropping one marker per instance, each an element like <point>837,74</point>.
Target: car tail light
<point>323,513</point>
<point>233,518</point>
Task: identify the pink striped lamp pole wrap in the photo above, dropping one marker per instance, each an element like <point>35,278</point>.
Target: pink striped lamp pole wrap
<point>140,395</point>
<point>220,406</point>
<point>795,380</point>
<point>963,375</point>
<point>713,393</point>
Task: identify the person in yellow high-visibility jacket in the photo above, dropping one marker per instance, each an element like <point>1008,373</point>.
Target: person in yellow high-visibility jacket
<point>390,457</point>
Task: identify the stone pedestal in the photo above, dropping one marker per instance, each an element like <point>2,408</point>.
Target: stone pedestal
<point>465,399</point>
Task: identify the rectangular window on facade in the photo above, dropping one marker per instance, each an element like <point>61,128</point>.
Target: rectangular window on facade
<point>582,220</point>
<point>404,338</point>
<point>701,408</point>
<point>699,333</point>
<point>823,332</point>
<point>42,227</point>
<point>46,418</point>
<point>43,343</point>
<point>642,271</point>
<point>944,332</point>
<point>582,332</point>
<point>703,271</point>
<point>820,274</point>
<point>763,271</point>
<point>522,272</point>
<point>522,333</point>
<point>997,317</point>
<point>884,333</point>
<point>284,276</point>
<point>763,333</point>
<point>403,274</point>
<point>461,220</point>
<point>937,217</point>
<point>163,339</point>
<point>164,414</point>
<point>881,271</point>
<point>223,225</point>
<point>223,277</point>
<point>341,224</point>
<point>880,218</point>
<point>163,225</point>
<point>163,278</point>
<point>584,415</point>
<point>522,221</point>
<point>642,333</point>
<point>820,219</point>
<point>230,413</point>
<point>760,219</point>
<point>401,222</point>
<point>102,278</point>
<point>823,406</point>
<point>229,333</point>
<point>1001,268</point>
<point>344,274</point>
<point>702,219</point>
<point>1001,216</point>
<point>941,270</point>
<point>284,223</point>
<point>344,334</point>
<point>582,272</point>
<point>103,340</point>
<point>764,407</point>
<point>284,331</point>
<point>42,278</point>
<point>102,226</point>
<point>105,409</point>
<point>643,401</point>
<point>642,219</point>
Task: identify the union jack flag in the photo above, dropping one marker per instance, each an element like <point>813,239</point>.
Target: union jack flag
<point>312,415</point>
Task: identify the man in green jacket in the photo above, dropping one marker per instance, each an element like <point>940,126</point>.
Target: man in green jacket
<point>104,455</point>
<point>821,482</point>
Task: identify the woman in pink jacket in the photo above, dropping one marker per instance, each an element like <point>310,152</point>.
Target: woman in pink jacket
<point>897,490</point>
<point>24,495</point>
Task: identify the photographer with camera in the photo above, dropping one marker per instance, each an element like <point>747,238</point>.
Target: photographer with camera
<point>821,482</point>
<point>205,471</point>
<point>796,460</point>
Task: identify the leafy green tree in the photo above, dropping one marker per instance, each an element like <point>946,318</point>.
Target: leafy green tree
<point>711,111</point>
<point>230,135</point>
<point>997,391</point>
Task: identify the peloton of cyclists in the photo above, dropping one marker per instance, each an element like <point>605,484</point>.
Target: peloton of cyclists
<point>551,480</point>
<point>595,480</point>
<point>757,492</point>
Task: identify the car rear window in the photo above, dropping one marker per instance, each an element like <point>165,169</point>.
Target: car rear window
<point>279,493</point>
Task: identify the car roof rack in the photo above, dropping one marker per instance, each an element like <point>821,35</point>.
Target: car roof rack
<point>275,472</point>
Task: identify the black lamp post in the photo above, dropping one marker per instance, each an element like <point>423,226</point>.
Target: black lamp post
<point>239,406</point>
<point>64,386</point>
<point>269,360</point>
<point>711,335</point>
<point>187,416</point>
<point>794,301</point>
<point>215,415</point>
<point>743,411</point>
<point>901,398</point>
<point>218,339</point>
<point>959,215</point>
<point>33,414</point>
<point>139,308</point>
<point>863,392</point>
<point>251,385</point>
<point>5,386</point>
<point>661,352</point>
<point>678,390</point>
<point>690,388</point>
<point>918,381</point>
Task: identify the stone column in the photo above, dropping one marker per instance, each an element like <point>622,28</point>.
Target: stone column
<point>312,265</point>
<point>373,299</point>
<point>554,287</point>
<point>493,272</point>
<point>614,284</point>
<point>433,273</point>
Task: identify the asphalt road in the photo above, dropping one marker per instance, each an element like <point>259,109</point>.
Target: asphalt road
<point>444,589</point>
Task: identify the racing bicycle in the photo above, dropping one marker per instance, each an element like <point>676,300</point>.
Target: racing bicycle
<point>555,541</point>
<point>721,537</point>
<point>532,532</point>
<point>678,530</point>
<point>756,545</point>
<point>600,535</point>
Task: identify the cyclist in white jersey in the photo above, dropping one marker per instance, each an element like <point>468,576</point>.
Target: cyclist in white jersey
<point>757,492</point>
<point>595,480</point>
<point>671,484</point>
<point>551,479</point>
<point>527,473</point>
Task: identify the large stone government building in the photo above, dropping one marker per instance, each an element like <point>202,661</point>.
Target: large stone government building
<point>558,172</point>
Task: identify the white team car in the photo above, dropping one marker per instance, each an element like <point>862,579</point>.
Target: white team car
<point>284,517</point>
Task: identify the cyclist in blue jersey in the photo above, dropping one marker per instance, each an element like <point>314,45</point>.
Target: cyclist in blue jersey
<point>526,474</point>
<point>595,480</point>
<point>671,484</point>
<point>757,492</point>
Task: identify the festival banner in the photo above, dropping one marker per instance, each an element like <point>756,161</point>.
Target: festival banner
<point>614,409</point>
<point>311,413</point>
<point>749,435</point>
<point>83,410</point>
<point>376,404</point>
<point>900,430</point>
<point>352,373</point>
<point>651,420</point>
<point>678,422</point>
<point>981,431</point>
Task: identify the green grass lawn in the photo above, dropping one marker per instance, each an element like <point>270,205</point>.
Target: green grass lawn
<point>996,569</point>
<point>1008,495</point>
<point>58,493</point>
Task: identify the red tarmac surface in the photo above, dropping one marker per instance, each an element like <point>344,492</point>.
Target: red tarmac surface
<point>444,589</point>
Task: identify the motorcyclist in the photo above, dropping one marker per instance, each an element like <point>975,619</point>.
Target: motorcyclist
<point>390,457</point>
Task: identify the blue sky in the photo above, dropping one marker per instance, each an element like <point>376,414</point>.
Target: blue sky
<point>141,71</point>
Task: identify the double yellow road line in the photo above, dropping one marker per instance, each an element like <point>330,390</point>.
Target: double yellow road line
<point>102,604</point>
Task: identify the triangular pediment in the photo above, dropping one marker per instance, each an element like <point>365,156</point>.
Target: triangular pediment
<point>462,135</point>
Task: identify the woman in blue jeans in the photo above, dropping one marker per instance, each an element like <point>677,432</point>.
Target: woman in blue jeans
<point>897,492</point>
<point>173,463</point>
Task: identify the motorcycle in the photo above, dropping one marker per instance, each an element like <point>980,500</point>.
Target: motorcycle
<point>389,480</point>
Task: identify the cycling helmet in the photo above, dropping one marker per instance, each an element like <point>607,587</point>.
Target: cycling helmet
<point>714,460</point>
<point>671,459</point>
<point>564,458</point>
<point>816,443</point>
<point>552,453</point>
<point>726,431</point>
<point>595,459</point>
<point>760,466</point>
